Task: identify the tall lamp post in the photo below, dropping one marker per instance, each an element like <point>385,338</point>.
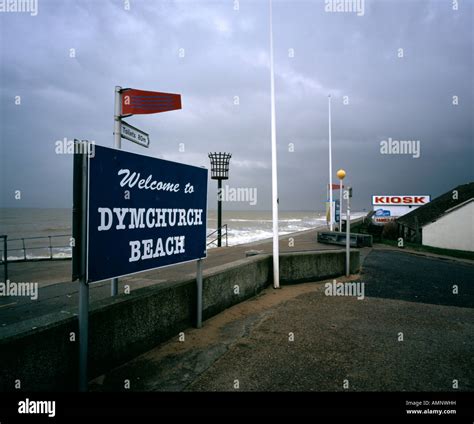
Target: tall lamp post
<point>340,174</point>
<point>219,171</point>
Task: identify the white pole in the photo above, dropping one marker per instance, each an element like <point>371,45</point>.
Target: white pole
<point>348,233</point>
<point>117,145</point>
<point>276,262</point>
<point>331,219</point>
<point>340,206</point>
<point>117,118</point>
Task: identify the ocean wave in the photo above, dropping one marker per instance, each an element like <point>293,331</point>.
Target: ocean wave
<point>262,220</point>
<point>242,228</point>
<point>62,255</point>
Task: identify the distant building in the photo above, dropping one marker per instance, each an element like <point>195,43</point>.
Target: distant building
<point>446,222</point>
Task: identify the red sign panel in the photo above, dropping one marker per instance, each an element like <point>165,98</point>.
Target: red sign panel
<point>140,102</point>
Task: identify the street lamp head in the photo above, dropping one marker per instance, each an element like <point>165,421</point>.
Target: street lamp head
<point>220,165</point>
<point>341,174</point>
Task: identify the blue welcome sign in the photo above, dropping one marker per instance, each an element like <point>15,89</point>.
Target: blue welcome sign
<point>143,213</point>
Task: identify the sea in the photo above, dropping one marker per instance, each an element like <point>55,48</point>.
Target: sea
<point>34,233</point>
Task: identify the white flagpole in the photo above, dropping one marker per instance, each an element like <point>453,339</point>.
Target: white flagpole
<point>331,218</point>
<point>276,262</point>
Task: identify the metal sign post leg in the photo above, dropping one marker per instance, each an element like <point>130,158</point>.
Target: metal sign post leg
<point>83,286</point>
<point>114,287</point>
<point>199,293</point>
<point>83,334</point>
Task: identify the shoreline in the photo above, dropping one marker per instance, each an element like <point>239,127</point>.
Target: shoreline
<point>57,291</point>
<point>46,257</point>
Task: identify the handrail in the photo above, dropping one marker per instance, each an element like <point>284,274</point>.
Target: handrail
<point>5,262</point>
<point>25,248</point>
<point>217,238</point>
<point>39,237</point>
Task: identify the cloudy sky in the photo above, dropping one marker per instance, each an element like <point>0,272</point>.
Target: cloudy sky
<point>216,54</point>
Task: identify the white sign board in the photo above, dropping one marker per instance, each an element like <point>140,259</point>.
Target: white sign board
<point>131,133</point>
<point>389,207</point>
<point>399,200</point>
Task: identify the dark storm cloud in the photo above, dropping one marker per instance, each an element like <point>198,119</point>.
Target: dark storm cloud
<point>226,55</point>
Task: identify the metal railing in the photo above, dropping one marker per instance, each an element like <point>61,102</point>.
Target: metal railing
<point>25,248</point>
<point>214,240</point>
<point>4,261</point>
<point>50,247</point>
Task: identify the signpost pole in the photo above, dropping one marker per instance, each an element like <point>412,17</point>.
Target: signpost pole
<point>83,286</point>
<point>199,293</point>
<point>276,247</point>
<point>117,145</point>
<point>117,118</point>
<point>340,206</point>
<point>348,232</point>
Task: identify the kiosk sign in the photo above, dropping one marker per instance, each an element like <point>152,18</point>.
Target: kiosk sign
<point>400,200</point>
<point>143,213</point>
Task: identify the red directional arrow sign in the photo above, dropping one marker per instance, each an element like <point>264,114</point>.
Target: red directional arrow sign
<point>140,101</point>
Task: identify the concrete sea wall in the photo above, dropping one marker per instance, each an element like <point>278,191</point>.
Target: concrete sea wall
<point>41,354</point>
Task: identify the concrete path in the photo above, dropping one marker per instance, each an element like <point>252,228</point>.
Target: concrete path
<point>58,293</point>
<point>409,333</point>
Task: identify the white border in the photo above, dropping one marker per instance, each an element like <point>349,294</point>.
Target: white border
<point>149,269</point>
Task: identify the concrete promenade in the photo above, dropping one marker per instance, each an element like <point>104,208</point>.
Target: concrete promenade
<point>58,293</point>
<point>409,333</point>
